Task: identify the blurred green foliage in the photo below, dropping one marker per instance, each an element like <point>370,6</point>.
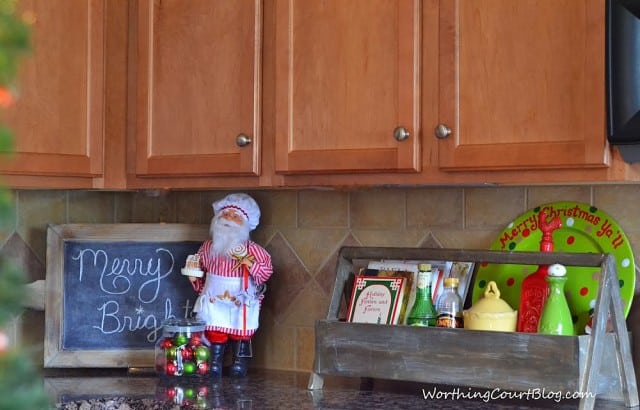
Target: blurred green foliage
<point>21,387</point>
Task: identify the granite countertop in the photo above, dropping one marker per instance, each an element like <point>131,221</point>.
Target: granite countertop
<point>268,389</point>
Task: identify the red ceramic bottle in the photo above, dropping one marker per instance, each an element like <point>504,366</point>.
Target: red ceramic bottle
<point>535,288</point>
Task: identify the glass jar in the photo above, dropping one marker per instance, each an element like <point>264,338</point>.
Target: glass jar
<point>449,305</point>
<point>181,350</point>
<point>189,392</point>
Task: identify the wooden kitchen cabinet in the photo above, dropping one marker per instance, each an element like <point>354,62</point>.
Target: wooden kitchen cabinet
<point>197,82</point>
<point>346,76</point>
<point>347,79</point>
<point>522,84</point>
<point>57,119</point>
<point>154,94</point>
<point>139,94</point>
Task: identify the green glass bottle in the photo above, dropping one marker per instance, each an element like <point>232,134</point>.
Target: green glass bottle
<point>423,313</point>
<point>556,316</point>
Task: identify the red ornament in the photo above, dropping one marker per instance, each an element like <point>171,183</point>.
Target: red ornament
<point>187,354</point>
<point>171,368</point>
<point>166,343</point>
<point>196,340</point>
<point>203,368</point>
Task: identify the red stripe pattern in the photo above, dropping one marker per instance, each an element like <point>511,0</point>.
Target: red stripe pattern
<point>260,271</point>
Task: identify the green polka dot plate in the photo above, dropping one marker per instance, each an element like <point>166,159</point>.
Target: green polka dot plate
<point>585,229</point>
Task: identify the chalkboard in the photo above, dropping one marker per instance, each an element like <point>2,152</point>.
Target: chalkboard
<point>110,287</point>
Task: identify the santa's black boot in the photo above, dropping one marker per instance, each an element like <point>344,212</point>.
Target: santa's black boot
<point>217,356</point>
<point>242,353</point>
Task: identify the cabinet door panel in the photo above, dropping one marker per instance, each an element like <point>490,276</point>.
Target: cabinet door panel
<point>347,74</point>
<point>198,78</point>
<point>517,84</point>
<point>57,120</point>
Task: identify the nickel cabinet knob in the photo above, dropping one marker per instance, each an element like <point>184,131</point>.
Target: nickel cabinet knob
<point>442,131</point>
<point>242,140</point>
<point>401,133</point>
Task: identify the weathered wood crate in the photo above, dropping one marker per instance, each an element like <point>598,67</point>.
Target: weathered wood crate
<point>599,363</point>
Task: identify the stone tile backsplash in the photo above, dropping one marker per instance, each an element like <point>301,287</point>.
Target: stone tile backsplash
<point>304,230</point>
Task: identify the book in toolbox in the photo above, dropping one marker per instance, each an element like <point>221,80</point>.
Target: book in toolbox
<point>396,268</point>
<point>409,270</point>
<point>376,299</point>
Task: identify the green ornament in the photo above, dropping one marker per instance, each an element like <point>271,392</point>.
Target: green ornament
<point>202,353</point>
<point>189,393</point>
<point>172,352</point>
<point>189,367</point>
<point>180,339</point>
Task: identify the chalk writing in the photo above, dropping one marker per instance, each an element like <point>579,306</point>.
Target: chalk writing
<point>116,273</point>
<point>119,294</point>
<point>113,321</point>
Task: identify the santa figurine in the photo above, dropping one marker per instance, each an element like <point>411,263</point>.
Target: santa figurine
<point>232,287</point>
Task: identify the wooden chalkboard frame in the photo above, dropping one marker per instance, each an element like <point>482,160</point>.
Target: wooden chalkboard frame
<point>54,355</point>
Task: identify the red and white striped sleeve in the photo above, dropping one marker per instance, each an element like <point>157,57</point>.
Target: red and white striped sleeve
<point>262,268</point>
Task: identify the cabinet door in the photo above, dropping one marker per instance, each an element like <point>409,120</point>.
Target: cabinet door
<point>347,75</point>
<point>57,120</point>
<point>522,84</point>
<point>198,87</point>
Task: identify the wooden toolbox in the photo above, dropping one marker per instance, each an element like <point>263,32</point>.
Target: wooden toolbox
<point>599,364</point>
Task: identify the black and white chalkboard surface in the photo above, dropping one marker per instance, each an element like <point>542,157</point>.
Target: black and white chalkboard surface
<point>109,287</point>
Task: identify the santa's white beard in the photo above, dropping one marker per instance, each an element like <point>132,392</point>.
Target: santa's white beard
<point>226,235</point>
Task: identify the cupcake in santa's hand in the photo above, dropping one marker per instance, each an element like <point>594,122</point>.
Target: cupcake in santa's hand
<point>192,267</point>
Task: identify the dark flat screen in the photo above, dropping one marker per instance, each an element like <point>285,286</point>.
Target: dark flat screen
<point>623,76</point>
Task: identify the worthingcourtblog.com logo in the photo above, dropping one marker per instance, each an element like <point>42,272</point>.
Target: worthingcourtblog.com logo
<point>499,394</point>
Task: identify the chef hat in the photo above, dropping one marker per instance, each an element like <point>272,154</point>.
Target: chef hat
<point>243,204</point>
